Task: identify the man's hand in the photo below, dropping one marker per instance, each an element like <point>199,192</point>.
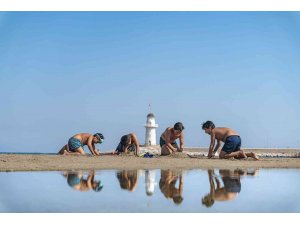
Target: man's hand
<point>97,152</point>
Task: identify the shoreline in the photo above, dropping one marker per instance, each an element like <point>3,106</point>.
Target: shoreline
<point>201,150</point>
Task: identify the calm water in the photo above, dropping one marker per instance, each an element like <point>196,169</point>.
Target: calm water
<point>272,190</point>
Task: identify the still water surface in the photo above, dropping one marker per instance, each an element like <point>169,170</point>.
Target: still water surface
<point>209,191</point>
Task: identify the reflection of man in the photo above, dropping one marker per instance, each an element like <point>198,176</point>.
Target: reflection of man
<point>128,179</point>
<point>79,183</point>
<point>167,185</point>
<point>150,182</point>
<point>231,188</point>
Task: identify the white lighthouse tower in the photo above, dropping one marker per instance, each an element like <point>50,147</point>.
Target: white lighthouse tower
<point>150,138</point>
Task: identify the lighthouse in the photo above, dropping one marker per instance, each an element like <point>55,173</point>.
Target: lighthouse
<point>150,138</point>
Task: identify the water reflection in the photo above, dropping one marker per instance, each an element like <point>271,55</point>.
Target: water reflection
<point>167,185</point>
<point>225,185</point>
<point>150,182</point>
<point>152,191</point>
<point>226,190</point>
<point>128,179</point>
<point>79,182</point>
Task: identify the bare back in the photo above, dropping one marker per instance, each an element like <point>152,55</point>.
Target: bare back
<point>83,137</point>
<point>221,133</point>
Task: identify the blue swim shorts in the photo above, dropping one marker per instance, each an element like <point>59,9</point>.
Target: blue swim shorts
<point>74,143</point>
<point>232,144</point>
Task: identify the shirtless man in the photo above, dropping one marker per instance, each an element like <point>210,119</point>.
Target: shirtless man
<point>76,143</point>
<point>128,143</point>
<point>168,139</point>
<point>232,140</point>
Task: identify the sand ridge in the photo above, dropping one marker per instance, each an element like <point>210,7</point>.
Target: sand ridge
<point>33,162</point>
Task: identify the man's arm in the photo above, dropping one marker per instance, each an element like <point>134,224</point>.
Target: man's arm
<point>90,179</point>
<point>135,183</point>
<point>212,144</point>
<point>168,142</point>
<point>211,182</point>
<point>169,146</point>
<point>181,140</point>
<point>126,149</point>
<point>180,184</point>
<point>217,146</point>
<point>135,141</point>
<point>95,150</point>
<point>90,145</point>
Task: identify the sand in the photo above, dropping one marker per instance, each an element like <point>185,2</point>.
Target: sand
<point>33,162</point>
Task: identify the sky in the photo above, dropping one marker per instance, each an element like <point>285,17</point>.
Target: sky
<point>63,73</point>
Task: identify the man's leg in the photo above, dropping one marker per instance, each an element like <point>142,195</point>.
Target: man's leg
<point>165,150</point>
<point>80,151</point>
<point>108,153</point>
<point>252,155</point>
<point>238,154</point>
<point>63,150</point>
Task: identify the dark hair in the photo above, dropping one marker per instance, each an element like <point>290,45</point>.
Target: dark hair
<point>125,139</point>
<point>208,124</point>
<point>98,187</point>
<point>99,136</point>
<point>208,201</point>
<point>177,200</point>
<point>178,126</point>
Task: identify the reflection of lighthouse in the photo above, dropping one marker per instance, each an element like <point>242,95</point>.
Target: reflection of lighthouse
<point>150,138</point>
<point>150,182</point>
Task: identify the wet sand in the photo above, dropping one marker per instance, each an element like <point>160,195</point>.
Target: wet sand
<point>33,162</point>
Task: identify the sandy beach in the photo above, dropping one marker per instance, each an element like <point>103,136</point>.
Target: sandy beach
<point>34,162</point>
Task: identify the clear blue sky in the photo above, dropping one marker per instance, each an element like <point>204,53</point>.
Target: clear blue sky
<point>67,72</point>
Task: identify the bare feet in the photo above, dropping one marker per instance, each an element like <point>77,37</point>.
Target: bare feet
<point>242,155</point>
<point>61,152</point>
<point>65,152</point>
<point>253,155</point>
